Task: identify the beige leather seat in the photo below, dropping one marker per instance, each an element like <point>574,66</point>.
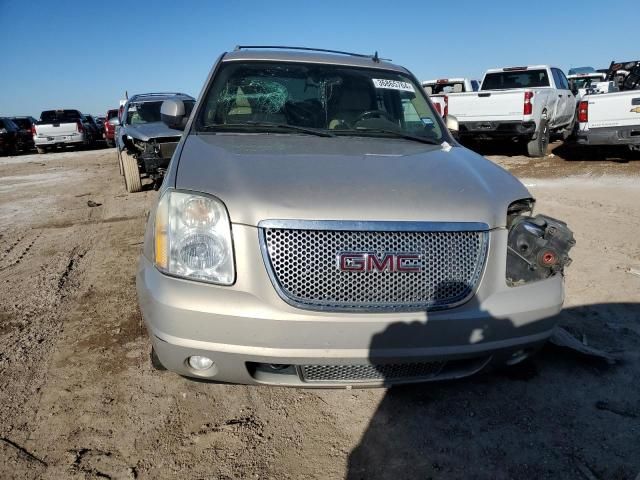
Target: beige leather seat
<point>349,105</point>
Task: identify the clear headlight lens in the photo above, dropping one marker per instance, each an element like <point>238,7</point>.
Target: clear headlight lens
<point>193,238</point>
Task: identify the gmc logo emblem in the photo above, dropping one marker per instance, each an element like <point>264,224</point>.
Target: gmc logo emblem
<point>371,262</point>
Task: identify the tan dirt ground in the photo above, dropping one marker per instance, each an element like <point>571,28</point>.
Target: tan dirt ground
<point>80,400</point>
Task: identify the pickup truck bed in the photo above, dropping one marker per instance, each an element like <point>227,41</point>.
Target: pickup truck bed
<point>610,119</point>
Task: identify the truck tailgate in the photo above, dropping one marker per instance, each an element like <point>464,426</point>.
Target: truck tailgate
<point>56,129</point>
<point>489,105</point>
<point>619,109</point>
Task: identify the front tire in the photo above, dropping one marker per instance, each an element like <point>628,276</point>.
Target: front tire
<point>132,181</point>
<point>538,148</point>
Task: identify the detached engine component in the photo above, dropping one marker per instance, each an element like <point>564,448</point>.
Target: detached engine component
<point>538,247</point>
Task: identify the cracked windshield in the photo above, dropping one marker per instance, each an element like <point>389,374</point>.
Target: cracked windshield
<point>333,100</point>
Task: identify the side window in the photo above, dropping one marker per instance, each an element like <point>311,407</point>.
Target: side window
<point>556,80</point>
<point>559,79</point>
<point>563,78</point>
<point>2,124</point>
<point>475,86</point>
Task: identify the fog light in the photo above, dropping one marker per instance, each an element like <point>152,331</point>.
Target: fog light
<point>199,363</point>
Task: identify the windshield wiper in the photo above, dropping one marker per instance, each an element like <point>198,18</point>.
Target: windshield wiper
<point>282,126</point>
<point>395,133</point>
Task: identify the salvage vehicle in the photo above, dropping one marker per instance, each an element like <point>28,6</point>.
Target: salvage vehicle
<point>110,127</point>
<point>27,126</point>
<point>319,226</point>
<point>439,91</point>
<point>613,118</point>
<point>523,104</point>
<point>62,128</point>
<point>145,144</point>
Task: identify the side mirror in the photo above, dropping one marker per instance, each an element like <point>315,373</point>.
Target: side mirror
<point>173,114</point>
<point>453,126</point>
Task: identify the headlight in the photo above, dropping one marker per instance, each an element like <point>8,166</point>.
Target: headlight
<point>192,238</point>
<point>537,247</point>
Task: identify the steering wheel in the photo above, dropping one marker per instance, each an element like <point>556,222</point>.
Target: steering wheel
<point>374,114</point>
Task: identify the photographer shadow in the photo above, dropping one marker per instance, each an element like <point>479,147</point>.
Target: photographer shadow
<point>470,428</point>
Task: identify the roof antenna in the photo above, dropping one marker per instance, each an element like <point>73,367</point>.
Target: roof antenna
<point>376,58</point>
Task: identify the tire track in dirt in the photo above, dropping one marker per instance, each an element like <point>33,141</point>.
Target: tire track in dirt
<point>16,251</point>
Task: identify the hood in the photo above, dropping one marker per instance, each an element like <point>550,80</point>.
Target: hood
<point>147,131</point>
<point>270,176</point>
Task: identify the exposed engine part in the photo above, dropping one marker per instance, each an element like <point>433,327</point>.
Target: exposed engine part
<point>538,247</point>
<point>153,156</point>
<point>523,207</point>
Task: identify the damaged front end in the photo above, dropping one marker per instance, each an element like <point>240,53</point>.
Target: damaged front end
<point>153,156</point>
<point>538,246</point>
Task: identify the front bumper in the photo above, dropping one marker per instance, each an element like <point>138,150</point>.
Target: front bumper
<point>629,135</point>
<point>498,129</point>
<point>247,327</point>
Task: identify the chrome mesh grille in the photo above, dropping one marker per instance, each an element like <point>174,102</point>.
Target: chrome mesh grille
<point>367,373</point>
<point>304,268</point>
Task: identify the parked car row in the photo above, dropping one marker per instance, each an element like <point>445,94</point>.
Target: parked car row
<point>64,128</point>
<point>55,129</point>
<point>530,104</point>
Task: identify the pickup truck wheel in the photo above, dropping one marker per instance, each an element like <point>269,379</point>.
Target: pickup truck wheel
<point>132,181</point>
<point>41,150</point>
<point>538,148</point>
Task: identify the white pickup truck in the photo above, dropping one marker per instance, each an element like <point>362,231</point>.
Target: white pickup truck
<point>524,104</point>
<point>439,91</point>
<point>612,118</point>
<point>59,128</point>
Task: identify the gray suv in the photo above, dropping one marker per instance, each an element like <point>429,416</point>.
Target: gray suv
<point>143,142</point>
<point>319,225</point>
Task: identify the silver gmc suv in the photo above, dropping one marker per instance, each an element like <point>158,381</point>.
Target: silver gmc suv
<point>319,225</point>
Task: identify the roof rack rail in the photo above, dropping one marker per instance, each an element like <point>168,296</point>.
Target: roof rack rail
<point>156,94</point>
<point>373,57</point>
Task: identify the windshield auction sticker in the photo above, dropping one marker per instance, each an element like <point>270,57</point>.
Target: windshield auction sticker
<point>392,84</point>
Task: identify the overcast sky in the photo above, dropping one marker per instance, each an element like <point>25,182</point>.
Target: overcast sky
<point>66,54</point>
